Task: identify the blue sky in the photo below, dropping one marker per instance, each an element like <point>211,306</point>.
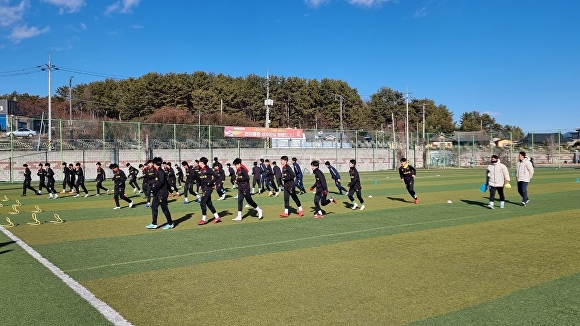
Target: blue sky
<point>517,60</point>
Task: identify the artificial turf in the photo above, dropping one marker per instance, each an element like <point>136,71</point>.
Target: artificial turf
<point>393,263</point>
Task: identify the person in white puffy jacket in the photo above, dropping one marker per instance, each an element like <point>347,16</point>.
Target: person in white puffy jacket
<point>524,173</point>
<point>497,177</point>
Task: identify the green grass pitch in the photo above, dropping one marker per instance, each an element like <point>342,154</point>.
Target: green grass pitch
<point>395,263</point>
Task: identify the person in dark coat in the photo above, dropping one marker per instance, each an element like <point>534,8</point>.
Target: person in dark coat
<point>160,191</point>
<point>119,178</point>
<point>27,180</point>
<point>243,183</point>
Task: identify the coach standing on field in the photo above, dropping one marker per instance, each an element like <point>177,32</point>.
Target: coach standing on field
<point>524,173</point>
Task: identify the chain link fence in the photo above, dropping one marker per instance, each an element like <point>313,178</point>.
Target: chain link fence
<point>89,142</point>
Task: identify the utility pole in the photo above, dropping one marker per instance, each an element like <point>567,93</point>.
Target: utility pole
<point>267,103</point>
<point>407,124</point>
<point>70,100</point>
<point>341,99</point>
<point>424,140</point>
<point>49,67</point>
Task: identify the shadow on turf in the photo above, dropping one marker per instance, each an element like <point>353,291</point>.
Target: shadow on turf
<point>397,199</point>
<point>2,244</point>
<point>5,251</point>
<point>182,219</point>
<point>485,204</point>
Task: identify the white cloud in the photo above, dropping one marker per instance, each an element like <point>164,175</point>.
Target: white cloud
<point>68,5</point>
<point>10,15</point>
<point>20,33</point>
<point>362,3</point>
<point>366,3</point>
<point>420,13</point>
<point>315,3</point>
<point>122,6</point>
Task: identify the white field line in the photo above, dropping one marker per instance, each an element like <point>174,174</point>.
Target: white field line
<point>109,313</point>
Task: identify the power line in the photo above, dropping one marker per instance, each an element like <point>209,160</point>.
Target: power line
<point>25,71</point>
<point>90,73</point>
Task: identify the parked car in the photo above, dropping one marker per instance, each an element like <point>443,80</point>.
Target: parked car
<point>22,132</point>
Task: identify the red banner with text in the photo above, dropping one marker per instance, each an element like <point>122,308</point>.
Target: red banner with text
<point>255,132</point>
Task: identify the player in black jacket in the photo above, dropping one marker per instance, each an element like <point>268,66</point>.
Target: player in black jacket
<point>179,174</point>
<point>50,182</point>
<point>66,177</point>
<point>277,177</point>
<point>243,182</point>
<point>289,188</point>
<point>190,177</point>
<point>321,189</point>
<point>160,190</point>
<point>80,180</point>
<point>219,183</point>
<point>257,175</point>
<point>119,178</point>
<point>355,186</point>
<point>41,173</point>
<point>407,173</point>
<point>27,180</point>
<point>133,172</point>
<point>207,180</point>
<point>150,178</point>
<point>232,175</point>
<point>101,177</point>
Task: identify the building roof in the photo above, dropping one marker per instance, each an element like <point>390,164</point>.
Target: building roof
<point>540,138</point>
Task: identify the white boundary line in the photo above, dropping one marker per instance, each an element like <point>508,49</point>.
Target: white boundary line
<point>112,315</point>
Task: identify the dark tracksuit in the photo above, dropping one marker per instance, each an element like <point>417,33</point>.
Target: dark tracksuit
<point>171,181</point>
<point>66,180</point>
<point>232,173</point>
<point>406,173</point>
<point>133,172</point>
<point>289,186</point>
<point>160,191</point>
<point>256,172</point>
<point>354,185</point>
<point>119,179</point>
<point>101,177</point>
<point>50,181</point>
<point>278,176</point>
<point>321,190</point>
<point>42,179</point>
<point>243,180</point>
<point>27,181</point>
<point>299,176</point>
<point>179,174</point>
<point>80,177</point>
<point>207,180</point>
<point>336,176</point>
<point>190,177</point>
<point>219,184</point>
<point>150,177</point>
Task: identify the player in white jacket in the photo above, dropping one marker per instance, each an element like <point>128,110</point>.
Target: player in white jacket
<point>497,177</point>
<point>524,173</point>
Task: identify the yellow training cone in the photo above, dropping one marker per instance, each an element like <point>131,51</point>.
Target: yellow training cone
<point>36,221</point>
<point>5,198</point>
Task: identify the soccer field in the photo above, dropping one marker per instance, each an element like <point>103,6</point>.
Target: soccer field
<point>395,263</point>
